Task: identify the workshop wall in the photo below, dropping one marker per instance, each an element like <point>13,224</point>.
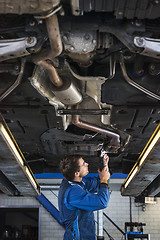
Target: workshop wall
<point>49,228</point>
<point>118,210</point>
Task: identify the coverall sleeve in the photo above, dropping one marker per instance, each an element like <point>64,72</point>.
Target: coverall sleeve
<point>80,198</point>
<point>92,183</point>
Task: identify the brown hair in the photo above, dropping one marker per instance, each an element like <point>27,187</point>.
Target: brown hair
<point>69,165</point>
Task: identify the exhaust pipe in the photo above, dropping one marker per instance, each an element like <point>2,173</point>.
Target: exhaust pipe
<point>54,51</point>
<point>52,73</point>
<point>54,39</point>
<point>115,138</point>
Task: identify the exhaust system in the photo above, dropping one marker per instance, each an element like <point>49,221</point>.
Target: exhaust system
<point>115,138</point>
<point>67,93</point>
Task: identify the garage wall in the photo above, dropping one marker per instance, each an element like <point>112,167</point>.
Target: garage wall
<point>49,228</point>
<point>118,210</point>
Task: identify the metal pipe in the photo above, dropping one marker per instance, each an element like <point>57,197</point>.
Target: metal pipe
<point>115,138</point>
<point>16,83</point>
<point>49,14</point>
<point>69,95</point>
<point>54,39</point>
<point>130,211</point>
<point>100,225</point>
<point>53,75</point>
<point>112,67</point>
<point>134,84</point>
<point>54,51</point>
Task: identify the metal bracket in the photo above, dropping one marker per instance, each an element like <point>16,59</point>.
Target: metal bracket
<point>83,111</point>
<point>112,66</point>
<point>133,83</point>
<point>12,48</point>
<point>151,46</point>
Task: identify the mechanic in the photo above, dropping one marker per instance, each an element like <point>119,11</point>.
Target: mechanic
<point>78,198</point>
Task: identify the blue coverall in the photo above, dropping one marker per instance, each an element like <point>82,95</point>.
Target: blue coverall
<point>77,201</point>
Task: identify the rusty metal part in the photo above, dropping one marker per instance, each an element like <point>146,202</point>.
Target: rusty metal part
<point>16,83</point>
<point>40,83</point>
<point>83,59</point>
<point>54,36</point>
<point>66,94</point>
<point>54,51</point>
<point>112,67</point>
<point>55,41</point>
<point>30,7</point>
<point>70,95</point>
<point>49,14</point>
<point>115,138</point>
<point>53,75</point>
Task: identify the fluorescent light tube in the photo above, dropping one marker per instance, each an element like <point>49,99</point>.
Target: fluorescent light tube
<point>10,143</point>
<point>131,177</point>
<point>29,175</point>
<point>149,148</point>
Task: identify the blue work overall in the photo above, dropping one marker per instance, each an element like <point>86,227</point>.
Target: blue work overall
<point>77,201</point>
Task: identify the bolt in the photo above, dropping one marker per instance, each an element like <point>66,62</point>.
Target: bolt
<point>156,1</point>
<point>94,41</point>
<point>71,48</point>
<point>138,23</point>
<point>86,36</point>
<point>32,23</point>
<point>139,41</point>
<point>144,208</point>
<point>152,67</point>
<point>29,40</point>
<point>84,49</point>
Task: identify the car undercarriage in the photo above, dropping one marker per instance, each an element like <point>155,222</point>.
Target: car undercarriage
<point>79,76</point>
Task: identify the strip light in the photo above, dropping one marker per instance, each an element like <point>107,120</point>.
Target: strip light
<point>150,145</point>
<point>31,178</point>
<point>131,177</point>
<point>10,143</point>
<point>152,142</point>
